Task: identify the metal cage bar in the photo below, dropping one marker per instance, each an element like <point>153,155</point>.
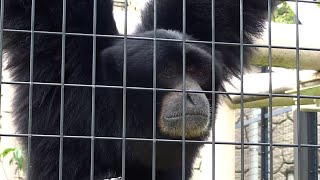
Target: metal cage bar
<point>31,89</point>
<point>160,39</point>
<point>241,90</point>
<point>1,47</point>
<point>213,112</point>
<point>154,93</point>
<point>164,140</point>
<point>93,95</point>
<point>63,59</point>
<point>184,90</point>
<point>124,95</point>
<point>270,91</point>
<point>298,82</point>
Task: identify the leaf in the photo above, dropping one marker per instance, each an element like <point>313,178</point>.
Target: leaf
<point>283,14</point>
<point>18,158</point>
<point>17,153</point>
<point>20,163</point>
<point>7,151</point>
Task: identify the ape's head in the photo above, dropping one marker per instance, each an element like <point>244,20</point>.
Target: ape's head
<point>169,75</point>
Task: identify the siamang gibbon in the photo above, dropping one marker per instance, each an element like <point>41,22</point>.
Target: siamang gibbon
<point>84,95</point>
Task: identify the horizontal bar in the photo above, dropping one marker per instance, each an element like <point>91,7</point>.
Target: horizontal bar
<point>160,140</point>
<point>161,39</point>
<point>160,89</point>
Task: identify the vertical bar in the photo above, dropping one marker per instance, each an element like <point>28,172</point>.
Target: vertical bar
<point>298,84</point>
<point>30,90</point>
<point>213,95</point>
<point>184,91</point>
<point>1,48</point>
<point>295,130</point>
<point>63,54</point>
<point>241,90</point>
<point>270,87</point>
<point>124,108</point>
<point>264,148</point>
<point>93,95</point>
<point>154,95</point>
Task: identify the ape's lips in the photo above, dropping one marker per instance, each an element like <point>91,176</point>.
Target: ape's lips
<point>187,113</point>
<point>196,123</point>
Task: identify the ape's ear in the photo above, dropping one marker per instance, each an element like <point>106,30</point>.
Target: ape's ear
<point>110,69</point>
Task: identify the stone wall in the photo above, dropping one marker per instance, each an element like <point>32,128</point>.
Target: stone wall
<point>283,157</point>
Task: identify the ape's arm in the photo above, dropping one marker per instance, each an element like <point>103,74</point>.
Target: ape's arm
<point>47,67</point>
<point>199,17</point>
<point>199,24</point>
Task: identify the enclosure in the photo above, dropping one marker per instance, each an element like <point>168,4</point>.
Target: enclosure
<point>266,125</point>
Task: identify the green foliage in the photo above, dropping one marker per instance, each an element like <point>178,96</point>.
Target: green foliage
<point>318,4</point>
<point>283,14</point>
<point>16,157</point>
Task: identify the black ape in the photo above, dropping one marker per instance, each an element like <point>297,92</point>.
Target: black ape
<point>81,104</point>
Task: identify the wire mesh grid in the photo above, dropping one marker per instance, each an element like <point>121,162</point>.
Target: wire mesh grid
<point>270,144</point>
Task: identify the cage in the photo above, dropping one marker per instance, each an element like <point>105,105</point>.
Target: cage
<point>265,125</point>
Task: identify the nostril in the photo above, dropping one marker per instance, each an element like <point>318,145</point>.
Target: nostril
<point>190,100</point>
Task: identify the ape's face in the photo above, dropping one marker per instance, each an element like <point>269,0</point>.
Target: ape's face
<point>169,75</point>
<point>196,109</point>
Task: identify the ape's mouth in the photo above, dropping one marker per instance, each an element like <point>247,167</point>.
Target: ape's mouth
<point>174,116</point>
<point>195,124</point>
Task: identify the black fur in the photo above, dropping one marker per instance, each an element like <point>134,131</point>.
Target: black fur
<point>108,101</point>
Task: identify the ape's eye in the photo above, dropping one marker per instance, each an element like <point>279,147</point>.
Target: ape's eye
<point>190,69</point>
<point>195,72</point>
<point>168,72</point>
